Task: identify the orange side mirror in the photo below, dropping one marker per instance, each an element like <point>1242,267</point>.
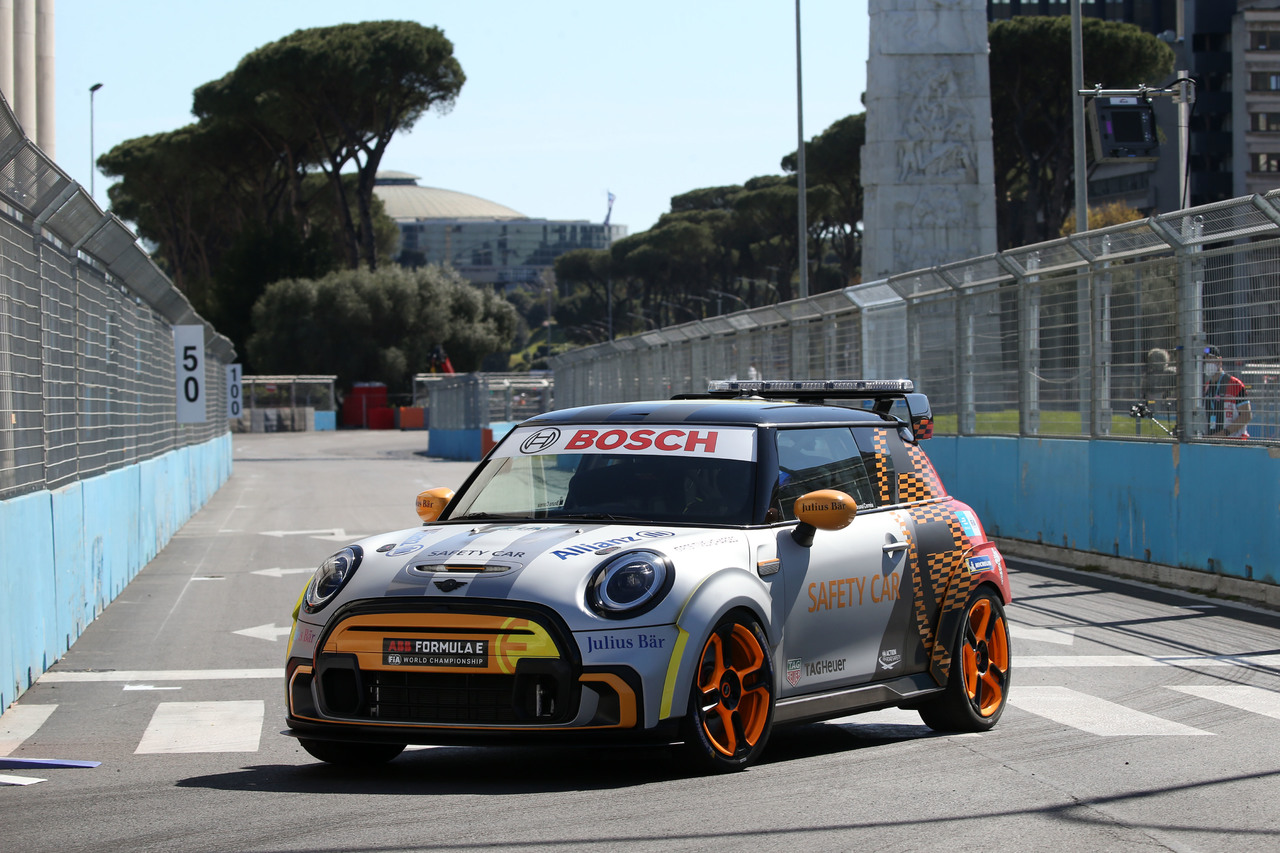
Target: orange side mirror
<point>431,503</point>
<point>825,509</point>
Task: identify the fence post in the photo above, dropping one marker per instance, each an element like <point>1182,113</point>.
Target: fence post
<point>1101,367</point>
<point>966,398</point>
<point>1084,341</point>
<point>1028,344</point>
<point>1190,325</point>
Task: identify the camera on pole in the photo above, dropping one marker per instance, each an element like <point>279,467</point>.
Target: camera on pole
<point>1123,130</point>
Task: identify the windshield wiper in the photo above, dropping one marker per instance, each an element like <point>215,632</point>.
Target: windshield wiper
<point>603,516</point>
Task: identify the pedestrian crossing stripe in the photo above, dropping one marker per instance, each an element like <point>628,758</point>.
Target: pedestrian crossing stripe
<point>229,726</point>
<point>1091,714</point>
<point>237,725</point>
<point>62,676</point>
<point>1057,636</point>
<point>21,722</point>
<point>1255,700</point>
<point>1269,659</point>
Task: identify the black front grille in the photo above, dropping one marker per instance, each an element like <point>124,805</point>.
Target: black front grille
<point>425,697</point>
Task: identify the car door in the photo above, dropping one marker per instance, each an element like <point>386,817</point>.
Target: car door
<point>842,592</point>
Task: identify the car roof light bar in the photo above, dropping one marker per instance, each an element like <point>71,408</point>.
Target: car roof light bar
<point>763,387</point>
<point>806,389</point>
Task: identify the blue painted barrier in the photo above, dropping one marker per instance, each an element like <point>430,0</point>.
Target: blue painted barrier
<point>69,552</point>
<point>1181,505</point>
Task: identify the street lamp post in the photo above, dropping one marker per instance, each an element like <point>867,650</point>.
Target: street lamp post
<point>92,165</point>
<point>725,293</point>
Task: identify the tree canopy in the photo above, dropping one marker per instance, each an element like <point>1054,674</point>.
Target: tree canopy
<point>725,248</point>
<point>377,325</point>
<point>333,97</point>
<point>1031,106</point>
<point>255,190</point>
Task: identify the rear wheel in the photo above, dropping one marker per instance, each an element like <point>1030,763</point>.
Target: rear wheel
<point>978,685</point>
<point>731,700</point>
<point>351,754</point>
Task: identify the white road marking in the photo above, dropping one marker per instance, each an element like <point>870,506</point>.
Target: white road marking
<point>1057,636</point>
<point>1255,700</point>
<point>148,687</point>
<point>270,632</point>
<point>1093,715</point>
<point>1188,661</point>
<point>336,534</point>
<point>279,573</point>
<point>18,780</point>
<point>21,722</point>
<point>143,675</point>
<point>180,727</point>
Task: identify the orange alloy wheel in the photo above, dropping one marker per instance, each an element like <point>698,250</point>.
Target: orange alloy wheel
<point>734,682</point>
<point>985,657</point>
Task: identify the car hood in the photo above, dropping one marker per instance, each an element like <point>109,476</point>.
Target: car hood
<point>547,564</point>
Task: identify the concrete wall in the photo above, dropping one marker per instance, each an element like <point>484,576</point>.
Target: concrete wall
<point>1211,508</point>
<point>68,553</point>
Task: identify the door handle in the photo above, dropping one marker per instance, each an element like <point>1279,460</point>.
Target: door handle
<point>895,547</point>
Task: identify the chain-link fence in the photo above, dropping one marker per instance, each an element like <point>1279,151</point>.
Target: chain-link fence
<point>87,366</point>
<point>463,401</point>
<point>1098,334</point>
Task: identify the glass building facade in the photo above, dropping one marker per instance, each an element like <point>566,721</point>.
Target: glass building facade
<point>488,243</point>
<point>502,252</point>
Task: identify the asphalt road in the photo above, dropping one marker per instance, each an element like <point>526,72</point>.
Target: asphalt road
<point>1140,719</point>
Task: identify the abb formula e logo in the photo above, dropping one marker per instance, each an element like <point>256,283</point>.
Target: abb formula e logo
<point>720,442</point>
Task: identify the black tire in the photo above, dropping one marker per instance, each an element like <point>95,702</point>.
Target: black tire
<point>978,685</point>
<point>351,754</point>
<point>731,699</point>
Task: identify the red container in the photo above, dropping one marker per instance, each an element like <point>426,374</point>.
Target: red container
<point>360,402</point>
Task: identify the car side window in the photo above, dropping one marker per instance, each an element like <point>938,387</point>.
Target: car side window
<point>820,458</point>
<point>877,444</point>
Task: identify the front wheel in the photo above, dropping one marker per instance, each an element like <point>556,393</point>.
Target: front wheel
<point>731,700</point>
<point>978,684</point>
<point>351,754</point>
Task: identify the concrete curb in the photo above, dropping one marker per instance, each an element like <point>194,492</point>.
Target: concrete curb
<point>1203,583</point>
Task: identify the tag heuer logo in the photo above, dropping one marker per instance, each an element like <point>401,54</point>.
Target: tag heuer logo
<point>794,671</point>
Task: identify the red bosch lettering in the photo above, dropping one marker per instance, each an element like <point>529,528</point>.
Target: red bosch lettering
<point>581,440</point>
<point>662,443</point>
<point>707,441</point>
<point>641,439</point>
<point>612,439</point>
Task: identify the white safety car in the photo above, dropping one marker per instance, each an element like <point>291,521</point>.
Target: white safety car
<point>695,570</point>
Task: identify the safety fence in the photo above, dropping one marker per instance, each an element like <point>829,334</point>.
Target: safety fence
<point>294,403</point>
<point>1100,334</point>
<point>88,375</point>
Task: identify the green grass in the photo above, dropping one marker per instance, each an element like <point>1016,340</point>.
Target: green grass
<point>1051,424</point>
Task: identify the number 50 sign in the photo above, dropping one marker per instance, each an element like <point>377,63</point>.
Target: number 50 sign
<point>188,347</point>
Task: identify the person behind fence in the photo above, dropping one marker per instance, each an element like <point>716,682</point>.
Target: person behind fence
<point>1159,381</point>
<point>1226,400</point>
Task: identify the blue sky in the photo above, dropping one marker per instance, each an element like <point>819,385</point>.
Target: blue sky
<point>564,100</point>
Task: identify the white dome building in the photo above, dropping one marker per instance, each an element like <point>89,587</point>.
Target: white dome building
<point>489,243</point>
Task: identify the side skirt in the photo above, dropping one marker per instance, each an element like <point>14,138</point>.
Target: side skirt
<point>866,697</point>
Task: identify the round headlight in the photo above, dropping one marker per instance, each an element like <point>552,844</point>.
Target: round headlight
<point>332,575</point>
<point>629,584</point>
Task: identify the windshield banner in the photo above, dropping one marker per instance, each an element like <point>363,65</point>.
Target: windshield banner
<point>665,440</point>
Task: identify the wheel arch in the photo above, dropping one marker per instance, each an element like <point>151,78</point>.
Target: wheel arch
<point>720,595</point>
<point>949,628</point>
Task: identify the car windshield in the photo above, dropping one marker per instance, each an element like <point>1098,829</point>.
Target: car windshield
<point>696,475</point>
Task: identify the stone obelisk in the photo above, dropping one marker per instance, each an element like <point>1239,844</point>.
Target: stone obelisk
<point>927,174</point>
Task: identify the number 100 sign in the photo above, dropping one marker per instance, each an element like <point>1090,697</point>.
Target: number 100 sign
<point>188,347</point>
